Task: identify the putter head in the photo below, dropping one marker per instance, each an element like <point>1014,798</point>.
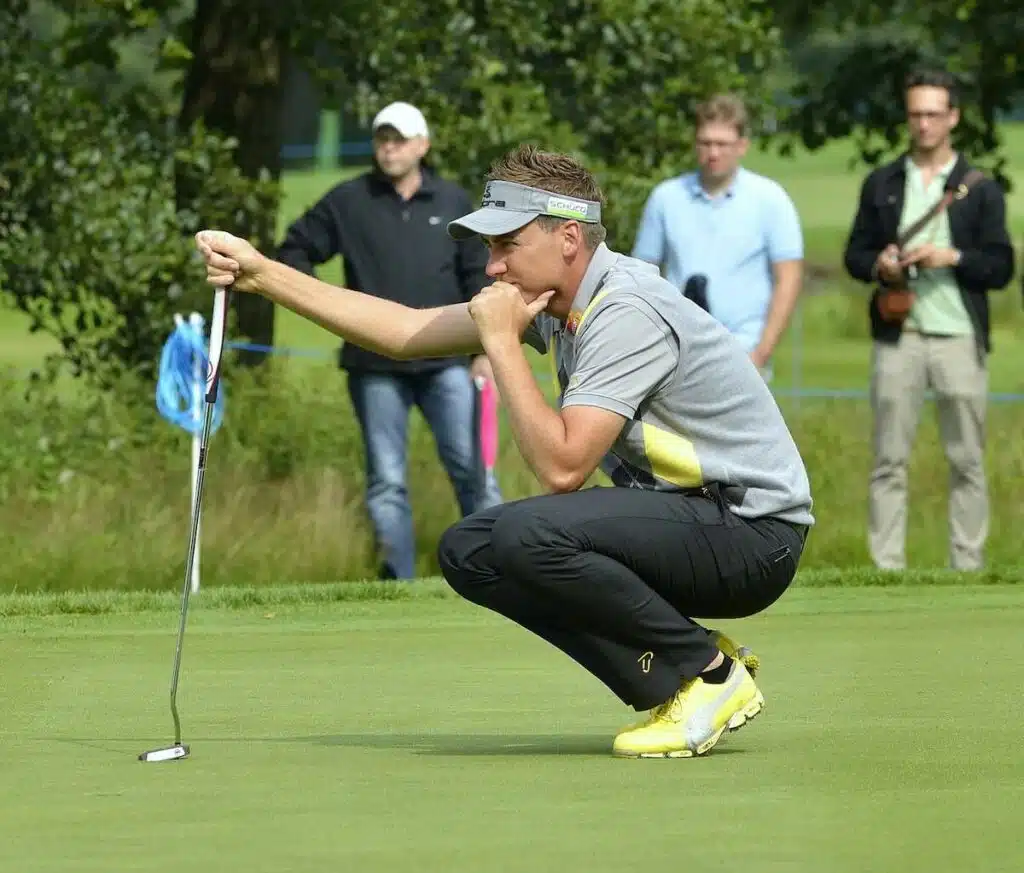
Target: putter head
<point>171,753</point>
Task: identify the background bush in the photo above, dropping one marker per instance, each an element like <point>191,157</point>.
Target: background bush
<point>94,489</point>
<point>95,237</point>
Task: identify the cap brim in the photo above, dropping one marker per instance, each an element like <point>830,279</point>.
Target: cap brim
<point>489,222</point>
<point>404,132</point>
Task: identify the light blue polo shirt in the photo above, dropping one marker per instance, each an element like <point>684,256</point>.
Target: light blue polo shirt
<point>733,239</point>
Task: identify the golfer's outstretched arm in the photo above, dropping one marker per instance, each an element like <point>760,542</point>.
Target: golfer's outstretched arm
<point>382,326</point>
<point>373,323</point>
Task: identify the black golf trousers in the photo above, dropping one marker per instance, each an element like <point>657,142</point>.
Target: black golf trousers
<point>614,577</point>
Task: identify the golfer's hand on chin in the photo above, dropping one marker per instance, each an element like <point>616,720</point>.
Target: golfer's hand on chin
<point>230,260</point>
<point>501,314</point>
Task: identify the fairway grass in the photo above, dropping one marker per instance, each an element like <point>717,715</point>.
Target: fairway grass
<point>421,733</point>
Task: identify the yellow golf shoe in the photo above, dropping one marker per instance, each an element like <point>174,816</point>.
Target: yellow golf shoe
<point>693,720</point>
<point>731,649</point>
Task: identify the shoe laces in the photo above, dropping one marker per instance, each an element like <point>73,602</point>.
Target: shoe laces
<point>669,710</point>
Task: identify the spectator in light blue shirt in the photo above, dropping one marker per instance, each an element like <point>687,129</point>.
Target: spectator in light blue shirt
<point>735,228</point>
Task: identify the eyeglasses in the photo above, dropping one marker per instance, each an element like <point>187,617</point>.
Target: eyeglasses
<point>935,115</point>
<point>708,144</point>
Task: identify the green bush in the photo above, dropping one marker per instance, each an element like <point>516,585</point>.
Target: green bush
<point>94,244</point>
<point>94,490</point>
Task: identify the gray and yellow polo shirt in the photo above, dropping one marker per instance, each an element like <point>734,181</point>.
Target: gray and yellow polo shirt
<point>698,410</point>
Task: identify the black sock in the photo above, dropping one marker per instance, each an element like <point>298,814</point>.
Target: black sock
<point>719,674</point>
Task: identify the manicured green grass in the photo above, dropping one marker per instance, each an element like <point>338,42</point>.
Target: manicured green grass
<point>426,734</point>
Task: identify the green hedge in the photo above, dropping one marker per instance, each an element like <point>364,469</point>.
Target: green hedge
<point>94,491</point>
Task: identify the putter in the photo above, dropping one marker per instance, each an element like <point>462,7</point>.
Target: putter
<point>218,327</point>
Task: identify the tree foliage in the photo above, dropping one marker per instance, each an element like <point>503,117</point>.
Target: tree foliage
<point>853,67</point>
<point>106,183</point>
<point>614,81</point>
<point>93,245</point>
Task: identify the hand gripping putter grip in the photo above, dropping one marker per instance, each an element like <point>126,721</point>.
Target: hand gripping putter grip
<point>218,326</point>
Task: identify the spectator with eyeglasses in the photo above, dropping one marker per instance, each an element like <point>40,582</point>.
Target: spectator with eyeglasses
<point>728,238</point>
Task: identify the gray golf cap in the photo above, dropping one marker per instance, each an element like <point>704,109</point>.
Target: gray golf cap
<point>508,206</point>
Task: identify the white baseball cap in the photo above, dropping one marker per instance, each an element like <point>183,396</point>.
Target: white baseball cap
<point>403,117</point>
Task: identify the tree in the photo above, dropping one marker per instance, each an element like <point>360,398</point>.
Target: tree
<point>229,58</point>
<point>94,245</point>
<point>853,69</point>
<point>234,85</point>
<point>612,80</point>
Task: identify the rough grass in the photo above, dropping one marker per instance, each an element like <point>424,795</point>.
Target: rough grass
<point>285,484</point>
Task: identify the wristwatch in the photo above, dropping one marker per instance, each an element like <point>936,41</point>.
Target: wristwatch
<point>958,256</point>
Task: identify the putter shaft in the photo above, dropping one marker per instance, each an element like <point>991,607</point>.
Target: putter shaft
<point>189,563</point>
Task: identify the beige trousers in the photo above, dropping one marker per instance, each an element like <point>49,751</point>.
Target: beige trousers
<point>954,368</point>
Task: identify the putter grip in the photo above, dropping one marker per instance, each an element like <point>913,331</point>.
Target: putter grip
<point>218,329</point>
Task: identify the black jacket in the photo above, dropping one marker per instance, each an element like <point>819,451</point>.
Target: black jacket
<point>391,248</point>
<point>977,225</point>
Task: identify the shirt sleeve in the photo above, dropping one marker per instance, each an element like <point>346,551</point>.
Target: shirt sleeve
<point>314,237</point>
<point>650,236</point>
<point>623,355</point>
<point>538,334</point>
<point>785,237</point>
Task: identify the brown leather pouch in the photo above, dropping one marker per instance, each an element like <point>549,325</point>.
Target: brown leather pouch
<point>895,302</point>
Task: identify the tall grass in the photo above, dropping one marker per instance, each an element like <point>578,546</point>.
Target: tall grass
<point>94,492</point>
<point>106,504</point>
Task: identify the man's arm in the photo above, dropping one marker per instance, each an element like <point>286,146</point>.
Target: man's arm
<point>561,448</point>
<point>313,238</point>
<point>788,276</point>
<point>786,252</point>
<point>623,354</point>
<point>865,241</point>
<point>373,323</point>
<point>990,263</point>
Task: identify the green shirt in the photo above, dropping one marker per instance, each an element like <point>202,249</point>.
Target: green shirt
<point>938,308</point>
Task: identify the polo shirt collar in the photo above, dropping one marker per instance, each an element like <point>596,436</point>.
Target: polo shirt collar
<point>601,262</point>
<point>696,190</point>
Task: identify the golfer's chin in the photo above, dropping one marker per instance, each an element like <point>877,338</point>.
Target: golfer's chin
<point>557,307</point>
<point>530,294</point>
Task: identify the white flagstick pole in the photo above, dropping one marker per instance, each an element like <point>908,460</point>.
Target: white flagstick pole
<point>198,384</point>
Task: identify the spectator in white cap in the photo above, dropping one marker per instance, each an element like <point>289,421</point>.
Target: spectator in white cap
<point>389,227</point>
<point>405,118</point>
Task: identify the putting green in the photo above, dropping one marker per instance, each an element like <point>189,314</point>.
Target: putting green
<point>427,735</point>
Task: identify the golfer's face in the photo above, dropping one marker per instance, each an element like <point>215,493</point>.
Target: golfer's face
<point>930,118</point>
<point>530,258</point>
<point>719,149</point>
<point>396,155</point>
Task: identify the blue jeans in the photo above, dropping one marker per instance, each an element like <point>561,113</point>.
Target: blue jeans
<point>448,400</point>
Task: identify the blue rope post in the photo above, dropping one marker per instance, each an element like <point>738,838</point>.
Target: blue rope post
<point>179,395</point>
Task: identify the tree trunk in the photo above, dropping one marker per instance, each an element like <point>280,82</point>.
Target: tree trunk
<point>235,86</point>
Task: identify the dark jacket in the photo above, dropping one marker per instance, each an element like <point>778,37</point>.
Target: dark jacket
<point>391,248</point>
<point>977,225</point>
